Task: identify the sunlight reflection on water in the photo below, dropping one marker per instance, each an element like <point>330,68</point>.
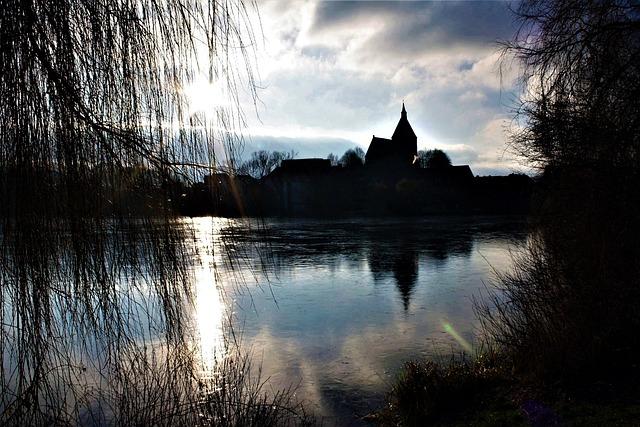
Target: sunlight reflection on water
<point>336,307</point>
<point>210,309</point>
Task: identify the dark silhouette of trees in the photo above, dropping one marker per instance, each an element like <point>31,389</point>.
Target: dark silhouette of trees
<point>569,310</point>
<point>433,159</point>
<point>263,162</point>
<point>353,157</point>
<point>333,159</point>
<point>94,114</point>
<point>582,82</point>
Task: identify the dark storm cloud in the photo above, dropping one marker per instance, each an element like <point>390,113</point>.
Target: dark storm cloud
<point>421,25</point>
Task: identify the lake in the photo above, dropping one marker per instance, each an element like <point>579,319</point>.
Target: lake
<point>336,307</point>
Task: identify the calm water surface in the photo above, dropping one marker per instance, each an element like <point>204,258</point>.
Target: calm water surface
<point>336,307</point>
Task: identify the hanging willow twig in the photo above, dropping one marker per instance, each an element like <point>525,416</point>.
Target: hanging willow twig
<point>95,131</point>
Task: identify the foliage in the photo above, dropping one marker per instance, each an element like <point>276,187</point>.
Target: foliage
<point>263,162</point>
<point>353,157</point>
<point>97,292</point>
<point>433,159</point>
<point>567,312</point>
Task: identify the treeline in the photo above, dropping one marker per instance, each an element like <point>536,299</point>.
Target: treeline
<point>263,162</point>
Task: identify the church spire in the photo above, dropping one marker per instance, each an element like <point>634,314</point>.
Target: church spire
<point>403,129</point>
<point>404,138</point>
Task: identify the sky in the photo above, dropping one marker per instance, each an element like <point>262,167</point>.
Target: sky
<point>334,73</point>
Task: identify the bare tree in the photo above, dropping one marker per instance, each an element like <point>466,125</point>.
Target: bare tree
<point>333,159</point>
<point>263,162</point>
<point>353,157</point>
<point>576,285</point>
<point>582,82</point>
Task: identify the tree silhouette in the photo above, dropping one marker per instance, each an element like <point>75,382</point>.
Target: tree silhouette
<point>263,162</point>
<point>577,285</point>
<point>582,82</point>
<point>353,157</point>
<point>93,108</point>
<point>433,159</point>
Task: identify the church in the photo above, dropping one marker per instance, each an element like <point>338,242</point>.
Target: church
<point>390,183</point>
<point>400,150</point>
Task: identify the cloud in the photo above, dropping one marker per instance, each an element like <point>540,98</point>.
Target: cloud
<point>303,146</point>
<point>340,70</point>
<point>495,155</point>
<point>441,23</point>
<point>404,31</point>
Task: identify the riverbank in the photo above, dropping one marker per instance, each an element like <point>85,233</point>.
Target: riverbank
<point>558,342</point>
<point>484,392</point>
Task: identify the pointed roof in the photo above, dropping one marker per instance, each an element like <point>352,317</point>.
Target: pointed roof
<point>403,129</point>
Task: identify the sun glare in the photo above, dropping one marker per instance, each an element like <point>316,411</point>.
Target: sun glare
<point>210,308</point>
<point>205,97</point>
<point>448,328</point>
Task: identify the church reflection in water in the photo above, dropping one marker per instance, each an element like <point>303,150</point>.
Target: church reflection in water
<point>401,258</point>
<point>337,306</point>
<point>405,271</point>
<point>397,249</point>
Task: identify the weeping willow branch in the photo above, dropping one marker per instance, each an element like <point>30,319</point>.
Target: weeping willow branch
<point>95,129</point>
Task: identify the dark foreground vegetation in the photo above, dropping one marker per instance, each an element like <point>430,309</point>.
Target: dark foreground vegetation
<point>96,270</point>
<point>91,92</point>
<point>561,342</point>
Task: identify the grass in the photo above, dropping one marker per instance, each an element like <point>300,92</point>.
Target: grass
<point>461,391</point>
<point>484,392</point>
<point>239,397</point>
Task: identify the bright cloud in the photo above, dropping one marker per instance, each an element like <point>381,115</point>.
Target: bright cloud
<point>339,71</point>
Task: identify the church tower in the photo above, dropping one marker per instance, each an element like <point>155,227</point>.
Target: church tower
<point>405,142</point>
<point>397,152</point>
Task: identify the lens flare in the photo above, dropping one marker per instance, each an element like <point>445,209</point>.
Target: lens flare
<point>456,336</point>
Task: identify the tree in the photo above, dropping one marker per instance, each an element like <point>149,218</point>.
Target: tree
<point>581,82</point>
<point>263,162</point>
<point>576,286</point>
<point>333,159</point>
<point>93,92</point>
<point>353,157</point>
<point>433,159</point>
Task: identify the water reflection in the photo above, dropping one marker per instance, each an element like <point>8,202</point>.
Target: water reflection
<point>209,306</point>
<point>336,307</point>
<point>405,271</point>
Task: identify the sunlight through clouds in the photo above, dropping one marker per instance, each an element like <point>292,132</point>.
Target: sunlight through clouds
<point>206,97</point>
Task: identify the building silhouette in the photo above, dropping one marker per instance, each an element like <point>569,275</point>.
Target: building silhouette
<point>390,183</point>
<point>401,150</point>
